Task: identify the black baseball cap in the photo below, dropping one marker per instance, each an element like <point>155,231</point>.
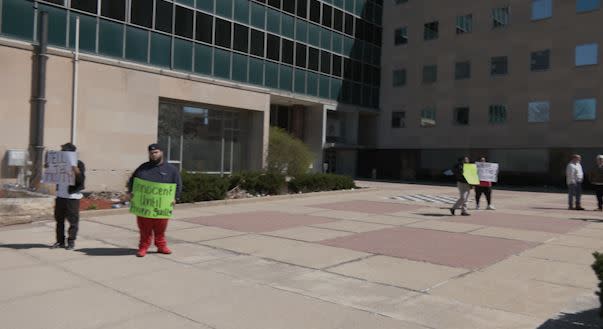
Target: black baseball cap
<point>68,147</point>
<point>154,147</point>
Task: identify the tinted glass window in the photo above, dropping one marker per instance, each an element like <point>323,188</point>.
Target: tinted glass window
<point>327,15</point>
<point>289,6</point>
<point>273,47</point>
<point>142,13</point>
<point>241,39</point>
<point>257,43</point>
<point>540,60</point>
<point>223,33</point>
<point>325,62</point>
<point>337,65</point>
<point>499,65</point>
<point>313,58</point>
<point>315,11</point>
<point>300,55</point>
<point>205,27</point>
<point>287,51</point>
<point>115,9</point>
<point>349,24</point>
<point>338,20</point>
<point>163,16</point>
<point>89,6</point>
<point>302,8</point>
<point>184,22</point>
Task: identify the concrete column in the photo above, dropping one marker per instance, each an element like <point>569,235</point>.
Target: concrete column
<point>314,131</point>
<point>297,121</point>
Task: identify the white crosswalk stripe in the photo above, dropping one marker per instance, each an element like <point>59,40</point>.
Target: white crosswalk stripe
<point>442,199</point>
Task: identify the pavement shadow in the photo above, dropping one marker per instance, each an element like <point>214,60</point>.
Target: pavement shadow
<point>433,215</point>
<point>107,251</point>
<point>549,208</point>
<point>590,220</point>
<point>21,246</point>
<point>582,320</point>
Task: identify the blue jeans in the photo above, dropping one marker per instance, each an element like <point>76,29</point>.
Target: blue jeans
<point>574,191</point>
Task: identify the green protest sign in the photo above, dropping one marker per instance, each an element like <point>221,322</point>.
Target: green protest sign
<point>470,173</point>
<point>152,200</point>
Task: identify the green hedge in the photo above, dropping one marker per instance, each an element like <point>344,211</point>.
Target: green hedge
<point>597,266</point>
<point>317,182</point>
<point>202,187</point>
<point>260,182</point>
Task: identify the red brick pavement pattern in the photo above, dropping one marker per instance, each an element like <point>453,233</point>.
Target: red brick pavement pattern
<point>259,221</point>
<point>521,222</point>
<point>371,207</point>
<point>443,248</point>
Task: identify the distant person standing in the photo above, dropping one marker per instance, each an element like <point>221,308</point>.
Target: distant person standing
<point>67,204</point>
<point>485,188</point>
<point>156,170</point>
<point>574,177</point>
<point>463,187</point>
<point>596,178</point>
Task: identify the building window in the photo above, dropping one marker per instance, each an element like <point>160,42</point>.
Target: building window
<point>461,116</point>
<point>401,36</point>
<point>540,60</point>
<point>90,6</point>
<point>499,66</point>
<point>223,33</point>
<point>141,13</point>
<point>462,70</point>
<point>399,78</point>
<point>399,2</point>
<point>587,54</point>
<point>585,109</point>
<point>587,5</point>
<point>115,9</point>
<point>163,16</point>
<point>498,114</point>
<point>542,9</point>
<point>399,119</point>
<point>430,73</point>
<point>184,22</point>
<point>464,24</point>
<point>428,117</point>
<point>205,27</point>
<point>538,111</point>
<point>500,17</point>
<point>430,30</point>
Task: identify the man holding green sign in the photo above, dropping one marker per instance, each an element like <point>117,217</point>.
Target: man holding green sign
<point>466,175</point>
<point>153,190</point>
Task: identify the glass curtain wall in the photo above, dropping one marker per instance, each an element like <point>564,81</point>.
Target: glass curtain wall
<point>203,139</point>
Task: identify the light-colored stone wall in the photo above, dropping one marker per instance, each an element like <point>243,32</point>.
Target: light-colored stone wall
<point>117,111</point>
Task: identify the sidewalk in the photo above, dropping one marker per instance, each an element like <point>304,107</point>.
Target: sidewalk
<point>387,257</point>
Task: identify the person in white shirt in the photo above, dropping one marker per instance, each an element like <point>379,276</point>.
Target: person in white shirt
<point>574,177</point>
<point>67,204</point>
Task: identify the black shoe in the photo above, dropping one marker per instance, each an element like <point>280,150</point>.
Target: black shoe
<point>465,214</point>
<point>57,245</point>
<point>452,211</point>
<point>70,246</point>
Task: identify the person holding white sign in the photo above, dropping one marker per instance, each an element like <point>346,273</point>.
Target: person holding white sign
<point>485,188</point>
<point>67,204</point>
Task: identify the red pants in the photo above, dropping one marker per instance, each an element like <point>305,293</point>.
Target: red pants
<point>148,227</point>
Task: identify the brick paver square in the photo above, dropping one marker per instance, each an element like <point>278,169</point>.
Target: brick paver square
<point>444,248</point>
<point>371,207</point>
<point>522,222</point>
<point>259,221</point>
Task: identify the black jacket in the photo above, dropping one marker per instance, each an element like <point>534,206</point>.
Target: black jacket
<point>79,179</point>
<point>163,173</point>
<point>458,172</point>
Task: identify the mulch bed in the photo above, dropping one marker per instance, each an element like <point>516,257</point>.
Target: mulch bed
<point>94,204</point>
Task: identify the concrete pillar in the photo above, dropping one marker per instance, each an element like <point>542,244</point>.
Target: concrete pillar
<point>297,121</point>
<point>314,131</point>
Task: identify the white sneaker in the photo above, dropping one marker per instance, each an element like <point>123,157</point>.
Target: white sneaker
<point>491,207</point>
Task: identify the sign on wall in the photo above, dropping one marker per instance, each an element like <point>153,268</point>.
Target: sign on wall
<point>58,169</point>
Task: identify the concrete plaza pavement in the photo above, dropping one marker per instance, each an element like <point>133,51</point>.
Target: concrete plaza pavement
<point>389,256</point>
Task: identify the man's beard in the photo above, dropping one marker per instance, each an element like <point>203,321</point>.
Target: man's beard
<point>156,162</point>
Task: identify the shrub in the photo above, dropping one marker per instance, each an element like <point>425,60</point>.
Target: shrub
<point>259,182</point>
<point>316,182</point>
<point>597,266</point>
<point>287,154</point>
<point>202,187</point>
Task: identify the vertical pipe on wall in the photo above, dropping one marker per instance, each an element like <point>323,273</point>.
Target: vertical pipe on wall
<point>39,100</point>
<point>76,59</point>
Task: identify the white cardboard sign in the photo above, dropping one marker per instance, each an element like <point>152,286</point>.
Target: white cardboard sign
<point>487,171</point>
<point>59,167</point>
